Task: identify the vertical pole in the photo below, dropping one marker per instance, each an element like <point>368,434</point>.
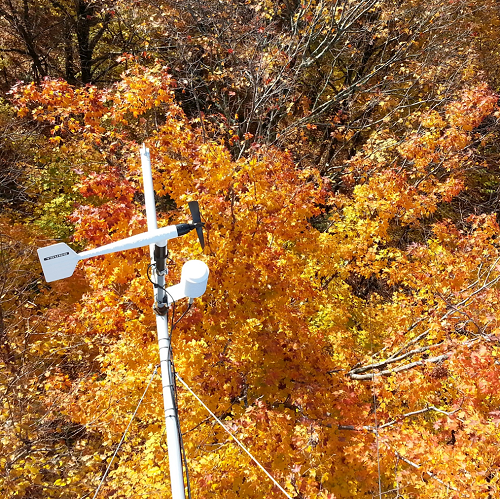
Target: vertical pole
<point>149,193</point>
<point>171,423</point>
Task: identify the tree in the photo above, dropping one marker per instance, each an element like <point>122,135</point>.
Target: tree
<point>315,77</point>
<point>81,41</point>
<point>356,360</point>
<point>41,449</point>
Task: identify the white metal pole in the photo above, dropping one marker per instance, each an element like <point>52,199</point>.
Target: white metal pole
<point>149,193</point>
<point>171,423</point>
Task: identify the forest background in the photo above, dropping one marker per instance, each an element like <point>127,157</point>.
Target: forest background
<point>345,157</point>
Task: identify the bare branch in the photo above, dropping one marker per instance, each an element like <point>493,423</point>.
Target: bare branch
<point>406,367</point>
<point>391,360</point>
<point>421,411</point>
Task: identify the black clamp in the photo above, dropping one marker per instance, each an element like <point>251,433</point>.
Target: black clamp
<point>160,308</point>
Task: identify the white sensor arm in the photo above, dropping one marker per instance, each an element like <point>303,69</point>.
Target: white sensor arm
<point>137,241</point>
<point>59,260</point>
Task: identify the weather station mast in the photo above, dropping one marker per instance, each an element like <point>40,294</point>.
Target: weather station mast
<point>59,261</point>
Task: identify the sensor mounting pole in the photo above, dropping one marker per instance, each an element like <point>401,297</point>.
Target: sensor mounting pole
<point>158,256</point>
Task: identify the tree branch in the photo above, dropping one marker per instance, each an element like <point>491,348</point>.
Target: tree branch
<point>391,360</point>
<point>406,367</point>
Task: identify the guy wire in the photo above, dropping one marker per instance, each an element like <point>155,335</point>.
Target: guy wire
<point>233,437</point>
<point>125,433</point>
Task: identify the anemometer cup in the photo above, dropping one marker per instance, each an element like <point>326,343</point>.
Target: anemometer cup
<point>194,277</point>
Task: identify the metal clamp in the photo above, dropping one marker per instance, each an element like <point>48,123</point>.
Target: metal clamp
<point>160,308</point>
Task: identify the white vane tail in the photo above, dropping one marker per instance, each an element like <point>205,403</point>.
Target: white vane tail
<point>58,261</point>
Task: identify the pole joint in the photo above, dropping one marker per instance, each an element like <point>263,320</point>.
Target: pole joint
<point>160,308</point>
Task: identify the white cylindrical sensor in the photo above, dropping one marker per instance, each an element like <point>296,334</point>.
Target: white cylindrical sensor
<point>194,277</point>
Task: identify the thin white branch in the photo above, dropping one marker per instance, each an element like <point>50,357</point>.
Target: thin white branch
<point>406,367</point>
<point>428,473</point>
<point>421,411</point>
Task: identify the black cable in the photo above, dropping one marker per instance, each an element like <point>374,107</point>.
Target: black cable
<point>182,316</point>
<point>150,266</point>
<point>173,388</point>
<point>173,392</point>
<point>172,325</point>
<point>156,286</point>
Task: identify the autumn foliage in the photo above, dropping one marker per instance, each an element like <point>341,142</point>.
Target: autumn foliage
<point>349,333</point>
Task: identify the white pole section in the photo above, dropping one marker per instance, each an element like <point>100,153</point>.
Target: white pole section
<point>171,423</point>
<point>149,193</point>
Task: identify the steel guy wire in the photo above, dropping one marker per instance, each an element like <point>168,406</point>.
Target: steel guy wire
<point>125,433</point>
<point>233,437</point>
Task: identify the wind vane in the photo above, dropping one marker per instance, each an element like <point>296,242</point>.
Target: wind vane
<point>59,261</point>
